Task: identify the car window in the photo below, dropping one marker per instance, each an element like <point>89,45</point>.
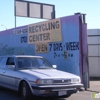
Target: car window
<point>3,62</point>
<point>10,61</point>
<point>31,62</point>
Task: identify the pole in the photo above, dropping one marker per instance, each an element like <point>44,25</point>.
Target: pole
<point>15,11</point>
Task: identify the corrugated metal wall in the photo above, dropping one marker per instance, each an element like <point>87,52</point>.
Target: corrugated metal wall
<point>94,52</point>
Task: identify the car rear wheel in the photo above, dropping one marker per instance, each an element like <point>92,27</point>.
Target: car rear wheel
<point>25,91</point>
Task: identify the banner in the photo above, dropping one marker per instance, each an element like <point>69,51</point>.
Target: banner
<point>48,31</point>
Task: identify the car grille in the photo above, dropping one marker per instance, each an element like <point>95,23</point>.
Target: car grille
<point>62,81</point>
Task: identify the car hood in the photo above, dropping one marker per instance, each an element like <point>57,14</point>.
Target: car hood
<point>49,73</point>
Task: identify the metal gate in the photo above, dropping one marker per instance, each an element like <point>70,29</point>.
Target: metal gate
<point>94,52</point>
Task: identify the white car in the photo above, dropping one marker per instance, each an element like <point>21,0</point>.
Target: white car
<point>35,76</point>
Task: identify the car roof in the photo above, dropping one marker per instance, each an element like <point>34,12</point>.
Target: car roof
<point>21,56</point>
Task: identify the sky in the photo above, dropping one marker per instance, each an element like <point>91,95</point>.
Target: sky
<point>62,7</point>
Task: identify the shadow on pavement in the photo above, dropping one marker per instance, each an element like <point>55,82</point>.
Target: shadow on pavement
<point>93,91</point>
<point>48,98</point>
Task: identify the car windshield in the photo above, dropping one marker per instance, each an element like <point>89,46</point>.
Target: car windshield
<point>33,62</point>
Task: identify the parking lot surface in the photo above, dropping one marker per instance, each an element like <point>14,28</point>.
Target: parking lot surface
<point>6,94</point>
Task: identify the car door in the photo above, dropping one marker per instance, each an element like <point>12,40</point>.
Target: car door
<point>2,70</point>
<point>9,74</point>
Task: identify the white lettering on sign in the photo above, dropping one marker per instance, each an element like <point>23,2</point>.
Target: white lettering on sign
<point>19,31</point>
<point>41,48</point>
<point>48,31</point>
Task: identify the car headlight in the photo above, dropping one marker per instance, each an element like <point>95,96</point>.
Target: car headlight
<point>45,81</point>
<point>75,80</point>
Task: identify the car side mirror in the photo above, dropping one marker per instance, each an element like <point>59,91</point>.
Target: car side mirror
<point>54,66</point>
<point>11,67</point>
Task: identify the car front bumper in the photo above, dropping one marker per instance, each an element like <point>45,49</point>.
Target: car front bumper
<point>52,90</point>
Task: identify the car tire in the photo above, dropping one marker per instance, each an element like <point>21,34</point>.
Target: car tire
<point>25,91</point>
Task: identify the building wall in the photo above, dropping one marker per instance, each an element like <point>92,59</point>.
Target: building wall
<point>94,52</point>
<point>68,53</point>
<point>64,53</point>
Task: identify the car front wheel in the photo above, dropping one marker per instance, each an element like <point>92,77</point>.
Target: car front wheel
<point>25,91</point>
